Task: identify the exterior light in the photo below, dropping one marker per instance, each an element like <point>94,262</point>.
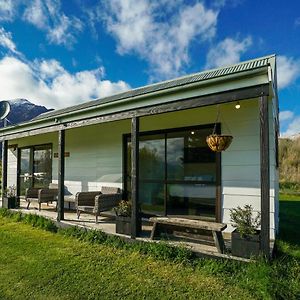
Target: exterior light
<point>238,105</point>
<point>192,132</point>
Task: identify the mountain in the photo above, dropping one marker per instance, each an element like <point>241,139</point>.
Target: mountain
<point>23,110</point>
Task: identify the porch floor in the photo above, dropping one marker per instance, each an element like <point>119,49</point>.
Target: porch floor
<point>108,226</point>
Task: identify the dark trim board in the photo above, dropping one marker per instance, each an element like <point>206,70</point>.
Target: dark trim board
<point>189,103</point>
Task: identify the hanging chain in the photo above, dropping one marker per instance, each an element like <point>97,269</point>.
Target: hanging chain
<point>218,119</point>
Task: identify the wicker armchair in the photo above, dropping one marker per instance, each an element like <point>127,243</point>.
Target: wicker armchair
<point>44,195</point>
<point>97,202</point>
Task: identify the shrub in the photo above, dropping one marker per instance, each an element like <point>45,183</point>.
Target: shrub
<point>244,221</point>
<point>123,209</point>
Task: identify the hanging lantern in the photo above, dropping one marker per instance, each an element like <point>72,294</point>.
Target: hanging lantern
<point>218,142</point>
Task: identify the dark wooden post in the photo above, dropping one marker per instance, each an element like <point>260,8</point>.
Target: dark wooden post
<point>4,167</point>
<point>264,176</point>
<point>61,175</point>
<point>135,177</point>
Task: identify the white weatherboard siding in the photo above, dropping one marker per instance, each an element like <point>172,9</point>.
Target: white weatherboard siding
<point>11,167</point>
<point>241,161</point>
<point>96,153</point>
<point>95,156</point>
<point>274,170</point>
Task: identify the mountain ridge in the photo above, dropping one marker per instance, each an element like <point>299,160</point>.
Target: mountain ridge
<point>23,110</point>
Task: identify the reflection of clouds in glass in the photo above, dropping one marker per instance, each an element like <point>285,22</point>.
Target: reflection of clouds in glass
<point>175,148</point>
<point>156,146</point>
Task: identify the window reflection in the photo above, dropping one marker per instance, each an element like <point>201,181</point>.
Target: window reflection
<point>177,174</point>
<point>42,167</point>
<point>35,167</point>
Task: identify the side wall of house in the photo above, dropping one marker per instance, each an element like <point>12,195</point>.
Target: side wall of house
<point>274,170</point>
<point>11,167</point>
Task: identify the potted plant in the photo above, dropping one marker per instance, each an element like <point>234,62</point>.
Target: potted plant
<point>123,217</point>
<point>10,197</point>
<point>245,239</point>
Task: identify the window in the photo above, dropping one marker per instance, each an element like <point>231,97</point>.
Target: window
<point>35,165</point>
<point>177,173</point>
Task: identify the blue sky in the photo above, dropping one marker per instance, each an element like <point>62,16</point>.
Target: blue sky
<point>63,52</point>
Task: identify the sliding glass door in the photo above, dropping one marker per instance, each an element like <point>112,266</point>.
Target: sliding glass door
<point>42,166</point>
<point>35,167</point>
<point>191,174</point>
<point>152,174</point>
<point>177,173</point>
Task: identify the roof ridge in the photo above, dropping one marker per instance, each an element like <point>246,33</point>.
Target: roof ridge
<point>201,72</point>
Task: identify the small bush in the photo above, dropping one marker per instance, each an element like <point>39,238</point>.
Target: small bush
<point>244,220</point>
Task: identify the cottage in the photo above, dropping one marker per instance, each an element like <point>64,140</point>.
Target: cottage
<point>151,143</point>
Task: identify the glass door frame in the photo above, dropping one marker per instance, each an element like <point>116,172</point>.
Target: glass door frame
<point>127,137</point>
<point>31,148</point>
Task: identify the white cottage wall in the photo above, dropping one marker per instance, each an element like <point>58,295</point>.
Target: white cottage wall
<point>240,163</point>
<point>11,167</point>
<point>96,153</point>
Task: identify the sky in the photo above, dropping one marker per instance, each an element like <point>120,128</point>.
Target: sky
<point>59,53</point>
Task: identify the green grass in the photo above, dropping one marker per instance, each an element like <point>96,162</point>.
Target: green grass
<point>37,261</point>
<point>289,233</point>
<point>42,265</point>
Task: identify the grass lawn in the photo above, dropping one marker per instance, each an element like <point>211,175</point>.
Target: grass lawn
<point>38,264</point>
<point>289,234</point>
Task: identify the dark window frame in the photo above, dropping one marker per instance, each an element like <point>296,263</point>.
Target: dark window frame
<point>126,137</point>
<point>32,148</point>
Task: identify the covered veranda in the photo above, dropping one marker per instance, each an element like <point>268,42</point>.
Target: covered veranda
<point>147,115</point>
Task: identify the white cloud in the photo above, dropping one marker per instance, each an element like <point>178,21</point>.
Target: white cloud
<point>297,22</point>
<point>227,52</point>
<point>285,115</point>
<point>140,28</point>
<point>49,68</point>
<point>46,82</point>
<point>293,127</point>
<point>46,15</point>
<point>36,14</point>
<point>7,9</point>
<point>6,41</point>
<point>288,70</point>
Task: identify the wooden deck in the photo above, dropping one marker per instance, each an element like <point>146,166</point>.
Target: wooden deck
<point>107,225</point>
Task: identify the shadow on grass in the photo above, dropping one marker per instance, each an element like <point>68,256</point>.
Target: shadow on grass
<point>289,224</point>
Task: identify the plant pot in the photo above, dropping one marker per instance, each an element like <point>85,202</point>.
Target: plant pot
<point>123,225</point>
<point>9,202</point>
<point>218,142</point>
<point>245,246</point>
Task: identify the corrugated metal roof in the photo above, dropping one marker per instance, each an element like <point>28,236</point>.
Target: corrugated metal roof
<point>181,81</point>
